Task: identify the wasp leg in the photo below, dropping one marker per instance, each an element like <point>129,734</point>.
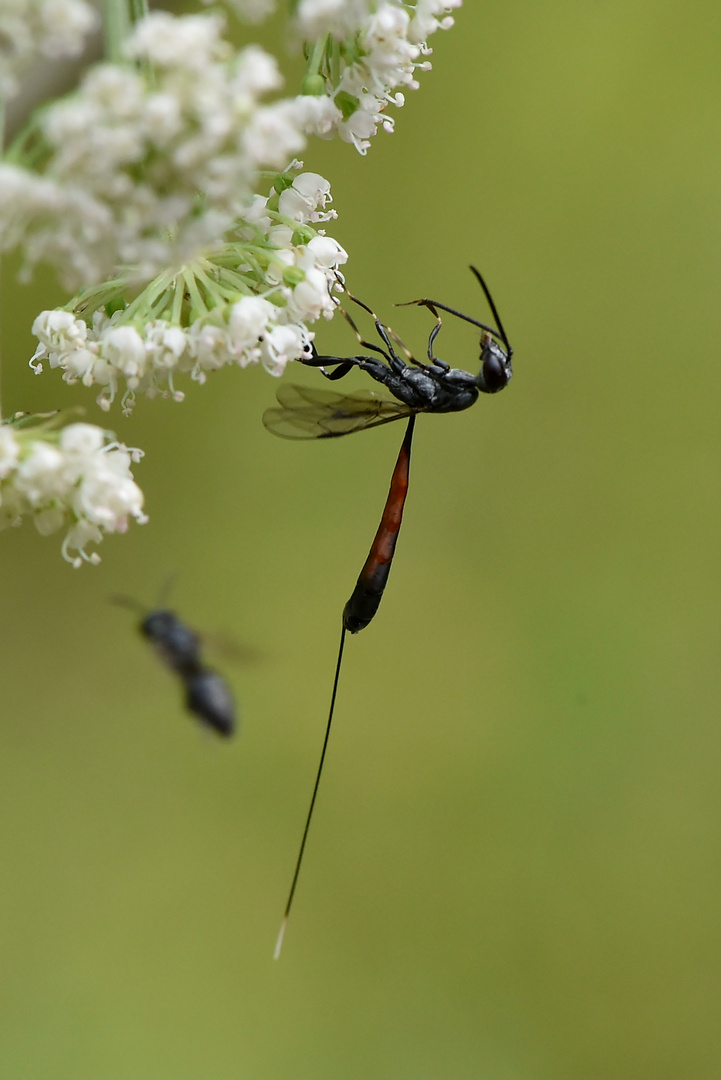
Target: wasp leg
<point>345,364</point>
<point>341,370</point>
<point>436,363</point>
<point>384,333</point>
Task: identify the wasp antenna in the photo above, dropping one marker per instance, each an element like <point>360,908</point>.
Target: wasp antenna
<point>433,304</point>
<point>166,588</point>
<point>128,602</point>
<point>492,306</point>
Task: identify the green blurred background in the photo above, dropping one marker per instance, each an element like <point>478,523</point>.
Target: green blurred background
<point>514,868</point>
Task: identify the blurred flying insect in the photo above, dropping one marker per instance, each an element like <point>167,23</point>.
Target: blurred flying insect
<point>207,695</point>
<point>435,387</point>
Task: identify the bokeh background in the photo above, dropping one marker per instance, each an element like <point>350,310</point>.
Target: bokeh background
<point>514,867</point>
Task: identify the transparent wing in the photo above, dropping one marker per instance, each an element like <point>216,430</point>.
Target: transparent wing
<point>311,413</point>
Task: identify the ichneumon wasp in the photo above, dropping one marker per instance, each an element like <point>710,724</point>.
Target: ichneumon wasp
<point>207,695</point>
<point>417,387</point>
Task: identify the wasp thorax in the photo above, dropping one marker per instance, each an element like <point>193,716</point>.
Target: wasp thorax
<point>177,644</point>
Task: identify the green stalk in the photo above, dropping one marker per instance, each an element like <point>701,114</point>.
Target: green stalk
<point>2,145</point>
<point>118,20</point>
<point>313,82</point>
<point>178,297</point>
<point>197,305</point>
<point>138,9</point>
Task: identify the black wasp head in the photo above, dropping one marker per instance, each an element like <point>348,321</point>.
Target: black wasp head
<point>496,370</point>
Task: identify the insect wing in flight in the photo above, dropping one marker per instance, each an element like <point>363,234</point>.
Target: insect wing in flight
<point>310,413</point>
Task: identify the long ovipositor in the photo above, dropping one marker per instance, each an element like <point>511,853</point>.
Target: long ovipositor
<point>372,579</point>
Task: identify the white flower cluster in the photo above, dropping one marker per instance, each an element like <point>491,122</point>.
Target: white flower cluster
<point>77,478</point>
<point>343,18</point>
<point>143,166</point>
<point>381,44</point>
<point>50,28</point>
<point>142,347</point>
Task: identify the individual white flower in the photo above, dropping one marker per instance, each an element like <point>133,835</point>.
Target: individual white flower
<point>81,439</point>
<point>211,347</point>
<point>60,331</point>
<point>164,345</point>
<point>40,476</point>
<point>317,114</point>
<point>274,134</point>
<point>74,476</point>
<point>282,344</point>
<point>77,539</point>
<point>361,125</point>
<point>106,497</point>
<point>425,20</point>
<point>124,349</point>
<point>256,215</point>
<point>326,252</point>
<point>248,320</point>
<point>256,73</point>
<point>390,54</point>
<point>306,198</point>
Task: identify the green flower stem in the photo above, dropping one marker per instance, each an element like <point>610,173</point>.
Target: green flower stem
<point>316,57</point>
<point>313,82</point>
<point>235,256</point>
<point>234,281</point>
<point>88,301</point>
<point>178,297</point>
<point>215,293</point>
<point>47,424</point>
<point>138,9</point>
<point>197,306</point>
<point>145,300</point>
<point>2,143</point>
<point>117,21</point>
<point>119,17</point>
<point>160,304</point>
<point>334,62</point>
<point>28,148</point>
<point>229,260</point>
